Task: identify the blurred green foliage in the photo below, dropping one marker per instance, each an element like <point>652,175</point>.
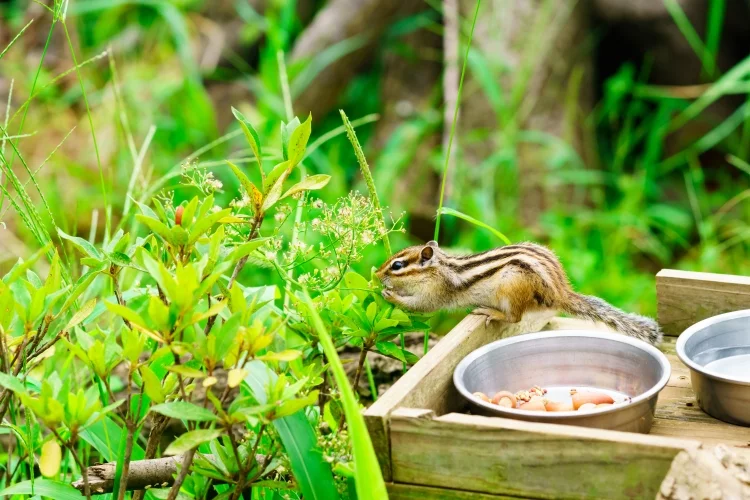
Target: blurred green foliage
<point>635,207</point>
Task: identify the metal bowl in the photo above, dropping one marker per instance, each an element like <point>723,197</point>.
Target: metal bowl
<point>717,352</point>
<point>569,359</point>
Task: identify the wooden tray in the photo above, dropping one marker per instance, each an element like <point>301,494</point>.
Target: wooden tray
<point>429,447</point>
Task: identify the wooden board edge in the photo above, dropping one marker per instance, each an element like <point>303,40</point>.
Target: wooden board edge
<point>402,491</point>
<point>565,431</point>
<point>418,433</point>
<point>693,278</point>
<point>686,297</point>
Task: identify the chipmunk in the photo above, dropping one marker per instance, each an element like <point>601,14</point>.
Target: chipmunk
<point>506,284</point>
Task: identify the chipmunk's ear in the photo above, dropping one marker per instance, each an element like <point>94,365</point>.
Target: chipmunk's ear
<point>426,254</point>
<point>432,243</point>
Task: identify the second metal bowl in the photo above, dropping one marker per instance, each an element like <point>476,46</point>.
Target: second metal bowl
<point>717,351</point>
<point>571,358</point>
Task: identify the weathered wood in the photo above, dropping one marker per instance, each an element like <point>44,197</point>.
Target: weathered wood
<point>412,492</point>
<point>720,472</point>
<point>376,416</point>
<point>501,456</point>
<point>684,298</point>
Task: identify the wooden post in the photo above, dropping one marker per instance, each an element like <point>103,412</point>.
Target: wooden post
<point>685,298</point>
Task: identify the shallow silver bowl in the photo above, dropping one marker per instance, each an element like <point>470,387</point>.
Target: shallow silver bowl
<point>717,352</point>
<point>574,358</point>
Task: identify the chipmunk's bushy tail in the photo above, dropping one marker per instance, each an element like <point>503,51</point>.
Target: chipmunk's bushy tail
<point>633,325</point>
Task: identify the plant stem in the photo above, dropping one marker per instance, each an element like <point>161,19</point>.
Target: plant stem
<point>357,375</point>
<point>187,460</point>
<point>258,219</point>
<point>455,118</point>
<point>371,380</point>
<point>367,176</point>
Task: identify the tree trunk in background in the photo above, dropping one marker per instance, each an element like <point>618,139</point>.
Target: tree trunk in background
<point>360,22</point>
<point>559,68</point>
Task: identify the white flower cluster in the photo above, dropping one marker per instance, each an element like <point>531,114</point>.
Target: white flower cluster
<point>329,239</point>
<point>193,175</point>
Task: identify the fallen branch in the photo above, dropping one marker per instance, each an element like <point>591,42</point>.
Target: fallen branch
<point>144,474</point>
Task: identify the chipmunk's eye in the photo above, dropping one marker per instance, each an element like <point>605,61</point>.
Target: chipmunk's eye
<point>399,264</point>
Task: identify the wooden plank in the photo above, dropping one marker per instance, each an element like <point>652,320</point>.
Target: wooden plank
<point>509,457</point>
<point>376,416</point>
<point>377,427</point>
<point>398,491</point>
<point>678,415</point>
<point>684,297</point>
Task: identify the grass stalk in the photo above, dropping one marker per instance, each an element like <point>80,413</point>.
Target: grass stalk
<point>108,218</point>
<point>367,174</point>
<point>453,126</point>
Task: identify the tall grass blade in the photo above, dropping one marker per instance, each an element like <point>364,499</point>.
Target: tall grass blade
<point>455,119</point>
<point>715,21</point>
<point>468,218</point>
<point>15,38</point>
<point>369,479</point>
<point>691,36</point>
<point>93,130</point>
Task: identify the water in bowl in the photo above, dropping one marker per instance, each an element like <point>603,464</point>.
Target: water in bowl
<point>736,367</point>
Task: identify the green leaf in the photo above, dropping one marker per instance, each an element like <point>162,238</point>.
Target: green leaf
<point>312,472</point>
<point>10,382</point>
<point>256,197</point>
<point>309,183</point>
<point>189,212</point>
<point>252,137</point>
<point>105,437</point>
<point>391,350</point>
<point>294,405</point>
<point>461,215</point>
<point>43,487</point>
<point>126,313</point>
<point>275,174</point>
<point>185,411</point>
<point>156,226</point>
<point>246,249</point>
<point>287,355</point>
<point>151,384</point>
<point>120,259</point>
<point>21,266</point>
<point>274,194</point>
<point>205,223</point>
<point>81,314</point>
<point>190,440</point>
<point>178,236</point>
<point>298,141</point>
<point>369,479</point>
<point>358,285</point>
<point>81,244</point>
